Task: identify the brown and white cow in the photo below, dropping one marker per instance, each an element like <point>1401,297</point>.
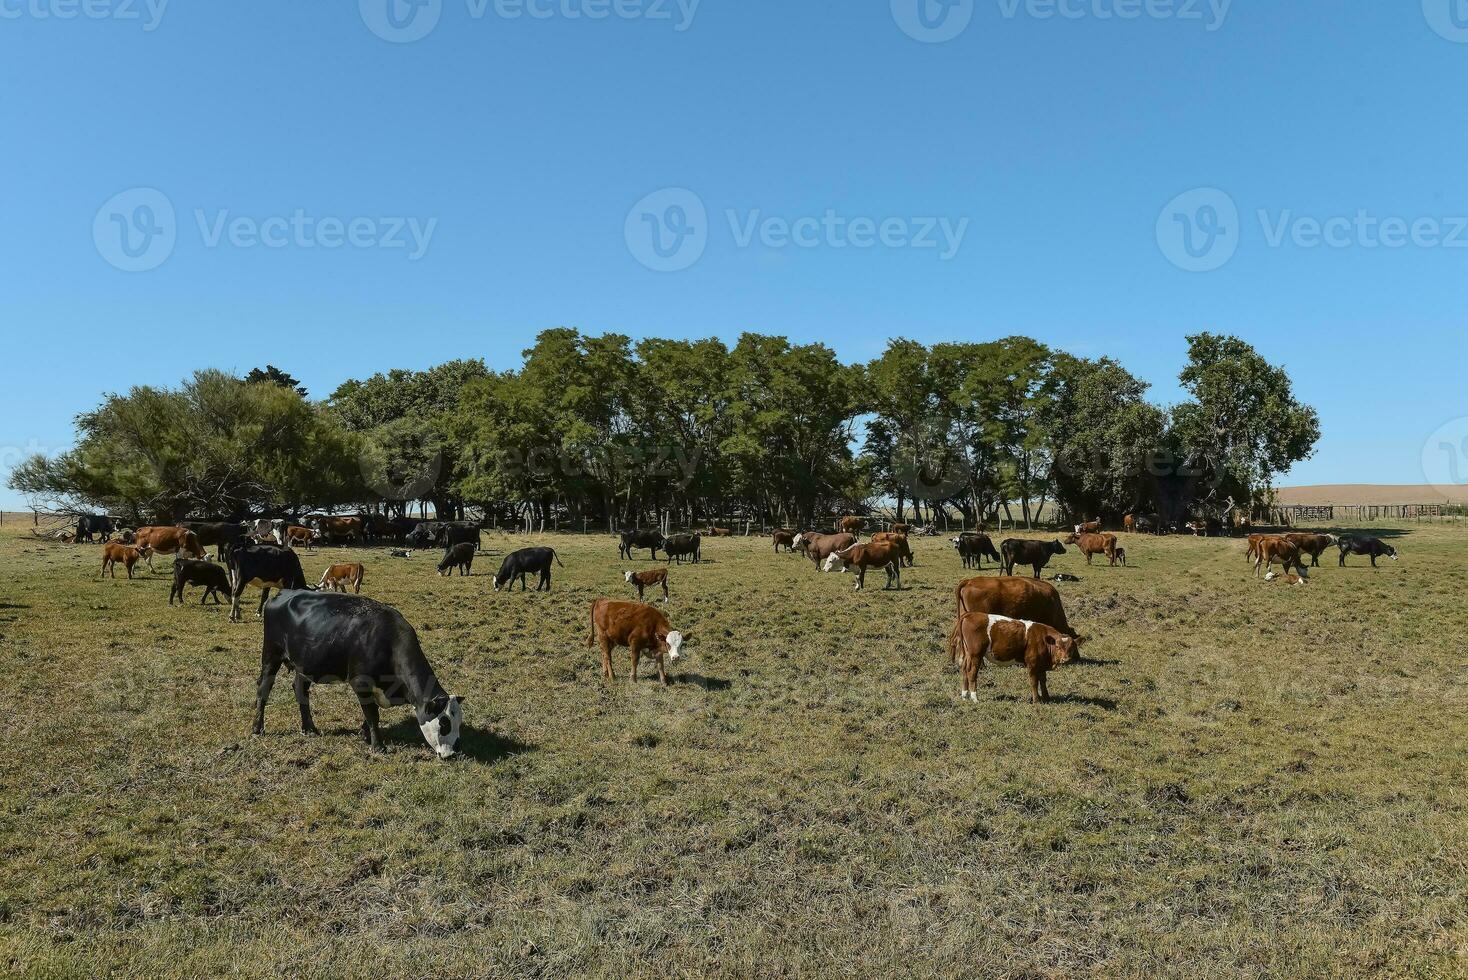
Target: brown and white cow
<point>112,553</point>
<point>1039,648</point>
<point>293,535</point>
<point>657,576</point>
<point>1282,550</point>
<point>338,577</point>
<point>1091,545</point>
<point>1090,527</point>
<point>639,628</point>
<point>818,547</point>
<point>1017,598</point>
<point>874,554</point>
<point>169,540</point>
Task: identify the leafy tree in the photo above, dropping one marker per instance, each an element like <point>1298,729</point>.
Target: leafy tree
<point>274,375</point>
<point>1244,425</point>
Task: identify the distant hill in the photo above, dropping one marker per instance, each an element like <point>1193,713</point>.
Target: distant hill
<point>1370,493</point>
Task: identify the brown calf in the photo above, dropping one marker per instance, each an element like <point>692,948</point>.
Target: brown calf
<point>1094,544</point>
<point>658,576</point>
<point>873,554</point>
<point>1129,524</point>
<point>641,629</point>
<point>338,577</point>
<point>718,532</point>
<point>852,525</point>
<point>127,554</point>
<point>293,535</point>
<point>1039,648</point>
<point>783,539</point>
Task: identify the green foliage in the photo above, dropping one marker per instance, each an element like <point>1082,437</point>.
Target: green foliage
<point>602,429</point>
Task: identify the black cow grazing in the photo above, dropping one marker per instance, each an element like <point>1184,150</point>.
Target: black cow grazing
<point>187,571</point>
<point>223,535</point>
<point>1018,551</point>
<point>1375,548</point>
<point>651,540</point>
<point>332,638</point>
<point>265,567</point>
<point>972,548</point>
<point>680,546</point>
<point>460,556</point>
<point>520,563</point>
<point>92,526</point>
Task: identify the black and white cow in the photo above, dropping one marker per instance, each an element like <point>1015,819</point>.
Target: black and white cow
<point>520,563</point>
<point>265,567</point>
<point>333,638</point>
<point>1375,548</point>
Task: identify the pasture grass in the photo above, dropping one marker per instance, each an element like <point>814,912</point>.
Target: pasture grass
<point>1244,780</point>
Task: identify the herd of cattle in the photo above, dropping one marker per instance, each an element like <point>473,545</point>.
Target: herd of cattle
<point>326,634</point>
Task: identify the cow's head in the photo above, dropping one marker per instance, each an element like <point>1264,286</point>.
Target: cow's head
<point>798,542</point>
<point>835,560</point>
<point>672,645</point>
<point>439,721</point>
<point>1061,648</point>
<point>628,577</point>
<point>1390,552</point>
<point>1073,538</point>
<point>1057,548</point>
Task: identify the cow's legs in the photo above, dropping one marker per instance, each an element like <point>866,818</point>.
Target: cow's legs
<point>270,660</point>
<point>662,670</point>
<point>1034,686</point>
<point>665,590</point>
<point>260,609</point>
<point>544,581</point>
<point>636,648</point>
<point>303,701</point>
<point>606,660</point>
<point>861,577</point>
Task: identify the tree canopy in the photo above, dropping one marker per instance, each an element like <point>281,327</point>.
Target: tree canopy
<point>603,429</point>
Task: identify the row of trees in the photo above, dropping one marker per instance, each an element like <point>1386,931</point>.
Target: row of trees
<point>610,431</point>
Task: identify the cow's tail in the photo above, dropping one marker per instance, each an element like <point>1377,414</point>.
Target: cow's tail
<point>591,639</point>
<point>557,558</point>
<point>953,638</point>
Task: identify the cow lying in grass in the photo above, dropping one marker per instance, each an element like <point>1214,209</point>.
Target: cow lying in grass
<point>1039,648</point>
<point>639,628</point>
<point>644,580</point>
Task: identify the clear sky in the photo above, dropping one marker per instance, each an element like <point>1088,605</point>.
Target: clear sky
<point>346,198</point>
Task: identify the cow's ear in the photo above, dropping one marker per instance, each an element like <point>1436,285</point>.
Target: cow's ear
<point>1049,639</point>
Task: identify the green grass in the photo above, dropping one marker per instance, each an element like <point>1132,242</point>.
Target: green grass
<point>1248,779</point>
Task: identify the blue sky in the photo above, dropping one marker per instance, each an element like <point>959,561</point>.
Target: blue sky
<point>453,195</point>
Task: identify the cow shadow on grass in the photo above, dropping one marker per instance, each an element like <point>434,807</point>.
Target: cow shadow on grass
<point>699,680</point>
<point>1105,704</point>
<point>478,744</point>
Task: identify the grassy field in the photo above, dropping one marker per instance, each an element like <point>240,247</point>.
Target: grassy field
<point>1245,779</point>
